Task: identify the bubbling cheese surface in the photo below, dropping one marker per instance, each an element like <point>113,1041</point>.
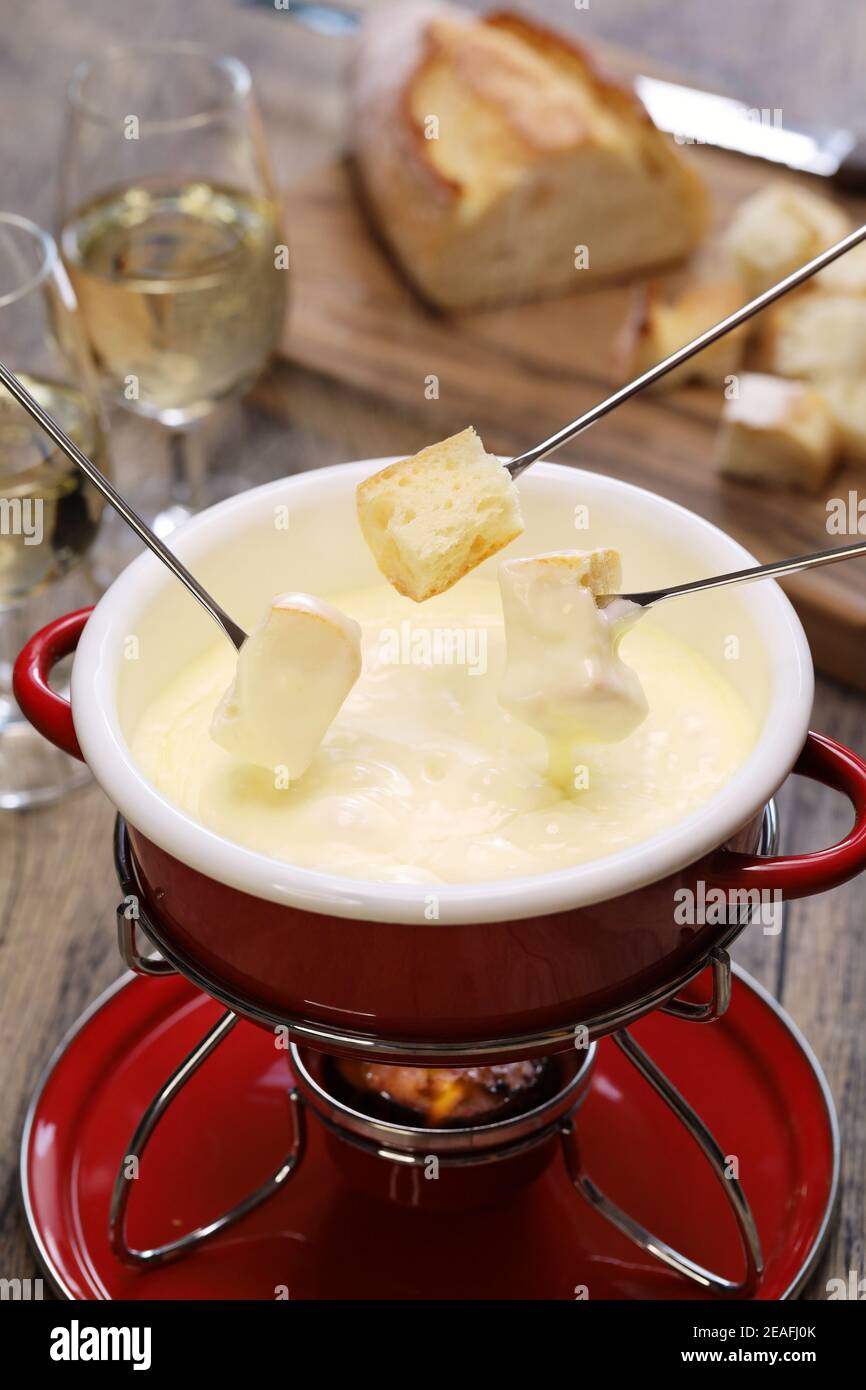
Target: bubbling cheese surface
<point>424,778</point>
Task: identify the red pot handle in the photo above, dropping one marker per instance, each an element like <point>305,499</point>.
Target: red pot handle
<point>47,711</point>
<point>799,875</point>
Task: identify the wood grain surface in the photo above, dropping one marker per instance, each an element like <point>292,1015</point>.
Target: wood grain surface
<point>57,886</point>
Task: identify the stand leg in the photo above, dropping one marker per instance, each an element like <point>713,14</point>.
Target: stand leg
<point>161,1254</point>
<point>734,1193</point>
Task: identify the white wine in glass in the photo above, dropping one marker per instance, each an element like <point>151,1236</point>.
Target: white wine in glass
<point>49,513</point>
<point>177,287</point>
<point>170,231</point>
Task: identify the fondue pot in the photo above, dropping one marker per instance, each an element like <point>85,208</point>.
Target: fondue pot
<point>506,969</point>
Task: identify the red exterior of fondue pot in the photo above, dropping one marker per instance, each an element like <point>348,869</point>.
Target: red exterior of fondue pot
<point>434,982</point>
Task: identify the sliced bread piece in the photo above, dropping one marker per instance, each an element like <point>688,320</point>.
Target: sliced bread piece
<point>432,518</point>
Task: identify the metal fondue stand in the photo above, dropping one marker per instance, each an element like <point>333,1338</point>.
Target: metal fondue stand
<point>455,1148</point>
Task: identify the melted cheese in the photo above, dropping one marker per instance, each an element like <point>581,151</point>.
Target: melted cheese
<point>423,777</point>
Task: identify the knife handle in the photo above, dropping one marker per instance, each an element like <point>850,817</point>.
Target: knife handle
<point>851,174</point>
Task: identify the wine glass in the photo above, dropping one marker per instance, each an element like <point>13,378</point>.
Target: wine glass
<point>49,514</point>
<point>170,230</point>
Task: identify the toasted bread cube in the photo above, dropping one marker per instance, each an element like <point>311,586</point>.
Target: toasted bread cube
<point>293,674</point>
<point>598,570</point>
<point>847,402</point>
<point>777,432</point>
<point>432,518</point>
<point>847,275</point>
<point>819,337</point>
<point>657,328</point>
<point>777,230</point>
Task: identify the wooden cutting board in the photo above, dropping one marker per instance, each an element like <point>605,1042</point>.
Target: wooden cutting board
<point>520,373</point>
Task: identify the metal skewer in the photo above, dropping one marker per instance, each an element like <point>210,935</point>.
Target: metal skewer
<point>233,632</point>
<point>548,446</point>
<point>775,570</point>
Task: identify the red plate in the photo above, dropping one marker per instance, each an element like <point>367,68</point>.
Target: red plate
<point>752,1077</point>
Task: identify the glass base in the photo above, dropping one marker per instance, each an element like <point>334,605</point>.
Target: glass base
<point>32,771</point>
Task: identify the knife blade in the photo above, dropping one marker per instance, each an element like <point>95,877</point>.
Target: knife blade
<point>693,116</point>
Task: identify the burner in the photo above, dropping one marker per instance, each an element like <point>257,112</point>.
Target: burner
<point>438,1097</point>
<point>451,1165</point>
<point>325,1234</point>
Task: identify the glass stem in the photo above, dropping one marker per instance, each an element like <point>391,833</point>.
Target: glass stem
<point>187,463</point>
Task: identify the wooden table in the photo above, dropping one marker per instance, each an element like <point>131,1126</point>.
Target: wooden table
<point>57,884</point>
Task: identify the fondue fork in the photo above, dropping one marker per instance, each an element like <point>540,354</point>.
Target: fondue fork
<point>230,628</point>
<point>521,462</point>
<point>634,604</point>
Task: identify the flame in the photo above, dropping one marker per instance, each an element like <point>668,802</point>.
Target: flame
<point>447,1095</point>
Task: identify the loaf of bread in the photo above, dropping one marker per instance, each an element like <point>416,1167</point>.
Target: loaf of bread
<point>657,327</point>
<point>779,229</point>
<point>432,518</point>
<point>500,164</point>
<point>778,432</point>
